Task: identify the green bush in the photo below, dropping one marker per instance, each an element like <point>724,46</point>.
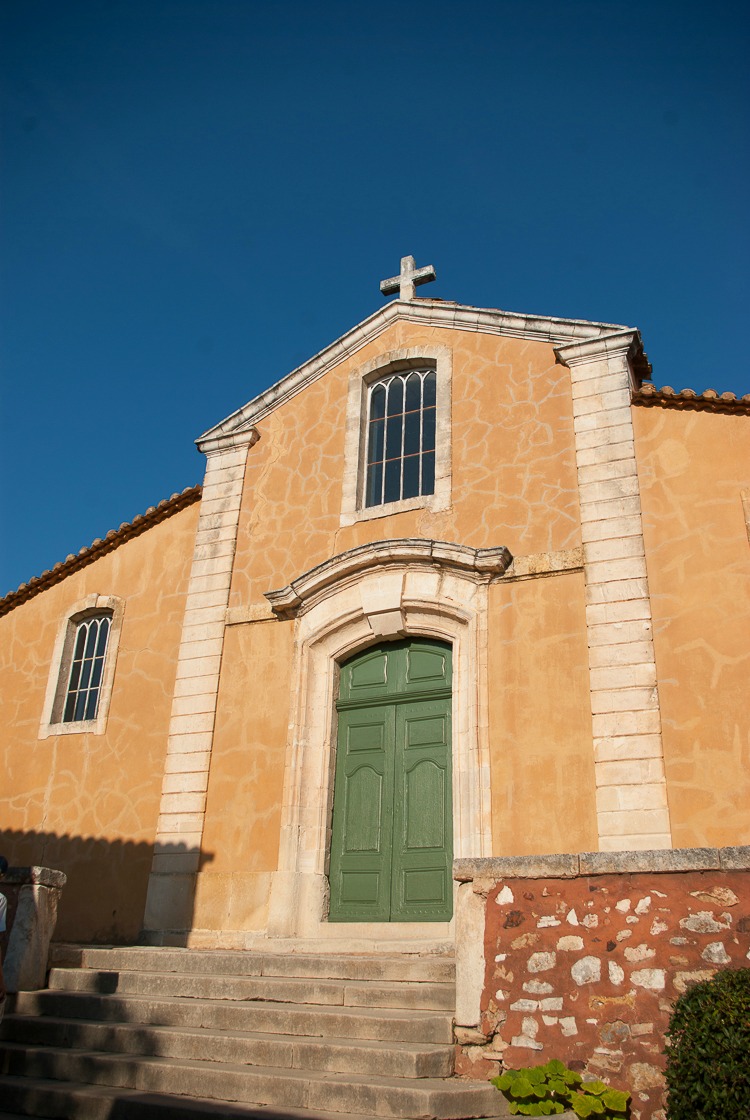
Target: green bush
<point>551,1088</point>
<point>708,1053</point>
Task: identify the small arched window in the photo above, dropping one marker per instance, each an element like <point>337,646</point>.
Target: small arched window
<point>86,668</point>
<point>82,668</point>
<point>401,437</point>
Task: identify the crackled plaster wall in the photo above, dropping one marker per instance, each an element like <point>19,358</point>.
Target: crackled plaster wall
<point>87,804</point>
<point>514,480</point>
<point>513,483</point>
<point>543,785</point>
<point>693,467</point>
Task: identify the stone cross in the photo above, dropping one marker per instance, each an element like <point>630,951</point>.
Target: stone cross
<point>408,279</point>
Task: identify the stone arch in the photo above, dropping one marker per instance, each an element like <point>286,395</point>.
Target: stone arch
<point>389,589</point>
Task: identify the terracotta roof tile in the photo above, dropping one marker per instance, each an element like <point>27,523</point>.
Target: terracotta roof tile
<point>688,399</point>
<point>100,547</point>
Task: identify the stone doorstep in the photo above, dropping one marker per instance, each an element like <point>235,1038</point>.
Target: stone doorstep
<point>346,993</point>
<point>414,967</point>
<point>333,1055</point>
<point>392,1024</point>
<point>429,1098</point>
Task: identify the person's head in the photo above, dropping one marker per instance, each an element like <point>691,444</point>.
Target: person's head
<point>3,865</point>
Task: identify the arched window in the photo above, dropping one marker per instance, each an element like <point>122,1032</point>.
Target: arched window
<point>401,437</point>
<point>86,668</point>
<point>82,669</point>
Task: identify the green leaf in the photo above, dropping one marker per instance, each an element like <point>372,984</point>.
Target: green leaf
<point>513,1108</point>
<point>554,1065</point>
<point>615,1100</point>
<point>557,1085</point>
<point>536,1075</point>
<point>595,1087</point>
<point>581,1105</point>
<point>521,1087</point>
<point>503,1082</point>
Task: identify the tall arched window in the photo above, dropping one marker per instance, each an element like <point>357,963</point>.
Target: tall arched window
<point>86,669</point>
<point>82,668</point>
<point>401,437</point>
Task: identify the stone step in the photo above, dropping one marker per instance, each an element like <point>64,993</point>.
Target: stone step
<point>394,1025</point>
<point>241,1047</point>
<point>426,1098</point>
<point>279,989</point>
<point>74,1101</point>
<point>411,967</point>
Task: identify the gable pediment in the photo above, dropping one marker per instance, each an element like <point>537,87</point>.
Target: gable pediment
<point>422,312</point>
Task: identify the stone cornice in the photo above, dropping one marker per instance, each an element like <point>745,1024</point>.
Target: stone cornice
<point>625,341</point>
<point>426,312</point>
<point>240,437</point>
<point>482,563</point>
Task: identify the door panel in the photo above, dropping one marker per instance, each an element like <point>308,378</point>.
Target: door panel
<point>422,832</point>
<point>392,836</point>
<point>360,875</point>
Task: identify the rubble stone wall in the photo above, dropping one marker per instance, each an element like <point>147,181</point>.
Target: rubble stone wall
<point>586,968</point>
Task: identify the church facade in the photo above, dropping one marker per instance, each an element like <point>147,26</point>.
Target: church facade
<point>465,584</point>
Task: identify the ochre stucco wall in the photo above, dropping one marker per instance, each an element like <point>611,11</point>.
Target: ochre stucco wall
<point>514,484</point>
<point>513,464</point>
<point>543,790</point>
<point>87,804</point>
<point>692,468</point>
<point>243,811</point>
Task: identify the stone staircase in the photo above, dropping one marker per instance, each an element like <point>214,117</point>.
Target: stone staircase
<point>130,1034</point>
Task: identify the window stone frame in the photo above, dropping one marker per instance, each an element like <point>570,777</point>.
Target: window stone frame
<point>59,671</point>
<point>353,507</point>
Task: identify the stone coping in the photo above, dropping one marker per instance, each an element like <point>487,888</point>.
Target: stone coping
<point>36,876</point>
<point>570,866</point>
<point>423,312</point>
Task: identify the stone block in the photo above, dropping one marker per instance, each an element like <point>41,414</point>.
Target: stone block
<point>620,610</point>
<point>34,916</point>
<point>564,866</point>
<point>620,748</point>
<point>626,723</point>
<point>600,472</point>
<point>589,456</point>
<point>615,507</point>
<point>169,902</point>
<point>735,858</point>
<point>630,798</point>
<point>623,700</point>
<point>616,549</point>
<point>673,859</point>
<point>623,822</point>
<point>623,676</point>
<point>614,528</point>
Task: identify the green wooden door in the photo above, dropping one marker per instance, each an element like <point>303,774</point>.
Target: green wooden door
<point>392,837</point>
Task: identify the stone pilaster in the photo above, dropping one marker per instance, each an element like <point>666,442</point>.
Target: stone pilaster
<point>171,888</point>
<point>631,791</point>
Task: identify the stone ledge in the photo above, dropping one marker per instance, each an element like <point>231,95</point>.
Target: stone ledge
<point>571,866</point>
<point>516,867</point>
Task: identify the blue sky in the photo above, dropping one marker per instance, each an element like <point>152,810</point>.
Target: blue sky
<point>197,196</point>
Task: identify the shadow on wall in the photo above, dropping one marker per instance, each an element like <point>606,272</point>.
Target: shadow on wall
<point>105,896</point>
